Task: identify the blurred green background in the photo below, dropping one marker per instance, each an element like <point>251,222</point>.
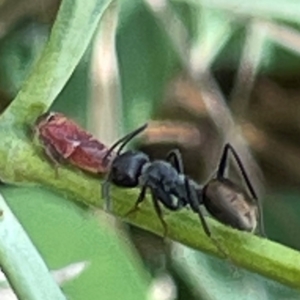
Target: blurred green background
<point>151,60</point>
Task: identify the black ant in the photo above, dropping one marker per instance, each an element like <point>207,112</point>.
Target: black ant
<point>168,184</point>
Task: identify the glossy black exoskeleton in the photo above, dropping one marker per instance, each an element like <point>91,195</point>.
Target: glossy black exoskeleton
<point>168,185</point>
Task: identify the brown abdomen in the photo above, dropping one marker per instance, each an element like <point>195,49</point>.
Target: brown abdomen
<point>230,205</point>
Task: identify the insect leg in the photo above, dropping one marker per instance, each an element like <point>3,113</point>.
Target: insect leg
<point>174,156</point>
<point>139,200</point>
<point>195,202</point>
<point>105,192</point>
<point>191,192</point>
<point>195,205</point>
<point>159,214</point>
<point>221,172</point>
<point>223,163</point>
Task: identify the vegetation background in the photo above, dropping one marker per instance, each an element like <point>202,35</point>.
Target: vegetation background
<point>204,72</point>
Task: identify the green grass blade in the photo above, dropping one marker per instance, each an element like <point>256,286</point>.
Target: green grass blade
<point>20,261</point>
<point>70,36</point>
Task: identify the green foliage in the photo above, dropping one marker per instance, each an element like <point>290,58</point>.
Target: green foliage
<point>18,52</point>
<point>147,61</point>
<point>21,262</point>
<point>217,279</point>
<point>65,232</point>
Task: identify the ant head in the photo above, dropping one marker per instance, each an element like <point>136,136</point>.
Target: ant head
<point>126,167</point>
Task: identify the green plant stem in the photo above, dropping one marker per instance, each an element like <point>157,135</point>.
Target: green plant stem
<point>70,36</point>
<point>20,163</point>
<point>244,249</point>
<point>22,264</point>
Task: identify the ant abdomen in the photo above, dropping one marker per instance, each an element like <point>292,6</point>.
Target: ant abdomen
<point>230,204</point>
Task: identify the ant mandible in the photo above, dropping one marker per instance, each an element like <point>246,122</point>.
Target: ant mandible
<point>223,199</point>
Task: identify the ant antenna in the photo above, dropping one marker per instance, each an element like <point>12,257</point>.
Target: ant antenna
<point>125,140</point>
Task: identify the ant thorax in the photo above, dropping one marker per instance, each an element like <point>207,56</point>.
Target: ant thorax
<point>165,183</point>
<point>160,173</point>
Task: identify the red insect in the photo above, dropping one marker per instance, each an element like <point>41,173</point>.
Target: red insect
<point>64,141</point>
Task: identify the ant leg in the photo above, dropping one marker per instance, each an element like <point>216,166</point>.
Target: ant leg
<point>191,193</point>
<point>222,167</point>
<point>105,193</point>
<point>140,199</point>
<point>176,157</point>
<point>160,215</point>
<point>195,202</point>
<point>220,174</point>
